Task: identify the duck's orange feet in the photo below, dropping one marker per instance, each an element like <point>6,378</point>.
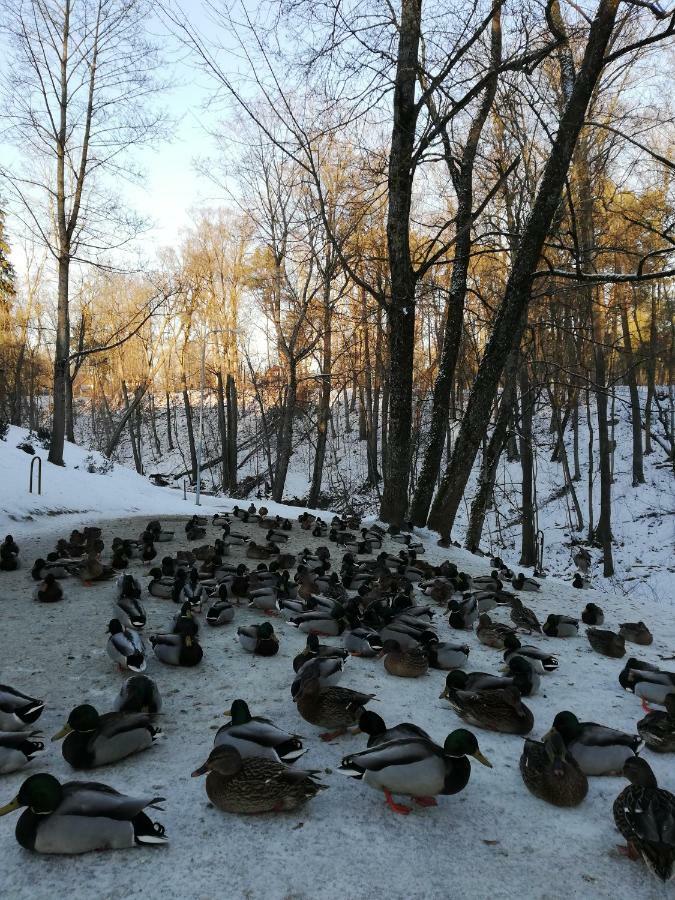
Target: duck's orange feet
<point>628,850</point>
<point>396,807</point>
<point>425,801</point>
<point>331,735</point>
<point>646,707</point>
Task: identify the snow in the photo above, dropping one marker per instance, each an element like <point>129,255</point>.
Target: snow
<point>492,840</point>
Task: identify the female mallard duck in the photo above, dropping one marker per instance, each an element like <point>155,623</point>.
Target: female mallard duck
<point>81,816</point>
<point>378,733</point>
<point>362,641</point>
<point>560,626</point>
<point>408,662</point>
<point>138,694</point>
<point>551,773</point>
<point>597,749</point>
<point>657,729</point>
<point>93,740</point>
<point>18,711</point>
<point>125,647</point>
<point>417,767</point>
<point>523,617</point>
<point>177,649</point>
<point>496,710</point>
<point>254,785</point>
<point>94,570</point>
<point>606,642</point>
<point>50,591</point>
<point>644,813</point>
<point>636,633</point>
<point>445,655</point>
<point>336,708</point>
<point>492,634</point>
<point>651,684</point>
<point>540,660</point>
<point>328,670</point>
<point>17,749</point>
<point>257,736</point>
<point>592,615</point>
<point>259,639</point>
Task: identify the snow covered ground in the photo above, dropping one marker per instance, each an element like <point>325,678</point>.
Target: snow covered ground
<point>492,840</point>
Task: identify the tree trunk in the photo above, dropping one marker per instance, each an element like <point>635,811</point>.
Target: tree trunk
<point>190,430</point>
<point>129,411</point>
<point>651,370</point>
<point>285,442</point>
<point>232,423</point>
<point>153,426</point>
<point>222,428</point>
<point>519,285</point>
<point>168,423</point>
<point>323,417</point>
<point>638,468</point>
<point>528,543</point>
<point>61,362</point>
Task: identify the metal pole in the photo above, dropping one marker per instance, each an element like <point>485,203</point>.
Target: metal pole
<point>200,448</point>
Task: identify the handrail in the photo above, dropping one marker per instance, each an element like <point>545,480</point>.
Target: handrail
<point>38,460</point>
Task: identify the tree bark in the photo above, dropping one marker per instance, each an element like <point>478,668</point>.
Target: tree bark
<point>232,423</point>
<point>222,428</point>
<point>323,416</point>
<point>528,541</point>
<point>169,436</point>
<point>638,468</point>
<point>61,364</point>
<point>285,441</point>
<point>190,430</point>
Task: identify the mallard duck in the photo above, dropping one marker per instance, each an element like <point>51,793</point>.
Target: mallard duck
<point>580,581</point>
<point>125,647</point>
<point>463,613</point>
<point>540,660</point>
<point>50,591</point>
<point>80,816</point>
<point>184,621</point>
<point>18,711</point>
<point>606,642</point>
<point>521,583</point>
<point>417,767</point>
<point>336,708</point>
<point>127,607</point>
<point>259,639</point>
<point>9,554</point>
<point>657,729</point>
<point>94,570</point>
<point>42,568</point>
<point>523,617</point>
<point>257,736</point>
<point>492,634</point>
<point>597,749</point>
<point>582,559</point>
<point>378,733</point>
<point>636,633</point>
<point>560,626</point>
<point>408,662</point>
<point>524,674</point>
<point>17,749</point>
<point>221,612</point>
<point>651,684</point>
<point>138,694</point>
<point>362,641</point>
<point>551,773</point>
<point>328,670</point>
<point>255,785</point>
<point>592,615</point>
<point>496,710</point>
<point>314,649</point>
<point>473,681</point>
<point>407,634</point>
<point>93,740</point>
<point>161,586</point>
<point>320,621</point>
<point>177,649</point>
<point>644,813</point>
<point>445,655</point>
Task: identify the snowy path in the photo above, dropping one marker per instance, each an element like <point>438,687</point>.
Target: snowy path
<point>492,840</point>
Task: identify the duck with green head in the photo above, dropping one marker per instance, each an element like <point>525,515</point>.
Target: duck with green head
<point>93,740</point>
<point>259,639</point>
<point>416,767</point>
<point>257,736</point>
<point>597,749</point>
<point>81,816</point>
<point>657,729</point>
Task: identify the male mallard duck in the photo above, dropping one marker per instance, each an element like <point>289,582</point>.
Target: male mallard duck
<point>408,662</point>
<point>138,694</point>
<point>521,583</point>
<point>463,613</point>
<point>636,633</point>
<point>257,736</point>
<point>42,568</point>
<point>592,615</point>
<point>161,586</point>
<point>17,749</point>
<point>492,634</point>
<point>497,710</point>
<point>9,554</point>
<point>560,626</point>
<point>259,639</point>
<point>93,740</point>
<point>314,649</point>
<point>646,681</point>
<point>321,621</point>
<point>551,773</point>
<point>521,675</point>
<point>540,660</point>
<point>50,591</point>
<point>337,708</point>
<point>416,766</point>
<point>125,647</point>
<point>657,729</point>
<point>127,607</point>
<point>580,581</point>
<point>378,733</point>
<point>445,655</point>
<point>606,642</point>
<point>328,670</point>
<point>80,816</point>
<point>644,813</point>
<point>177,649</point>
<point>18,711</point>
<point>184,621</point>
<point>221,612</point>
<point>597,749</point>
<point>362,641</point>
<point>523,617</point>
<point>255,785</point>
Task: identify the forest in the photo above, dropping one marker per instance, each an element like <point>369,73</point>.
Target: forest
<point>442,238</point>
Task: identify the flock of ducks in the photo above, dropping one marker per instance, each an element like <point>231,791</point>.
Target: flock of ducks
<point>381,605</point>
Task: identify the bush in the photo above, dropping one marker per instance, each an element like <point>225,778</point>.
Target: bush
<point>44,436</point>
<point>94,468</point>
<point>26,447</point>
<point>4,429</point>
